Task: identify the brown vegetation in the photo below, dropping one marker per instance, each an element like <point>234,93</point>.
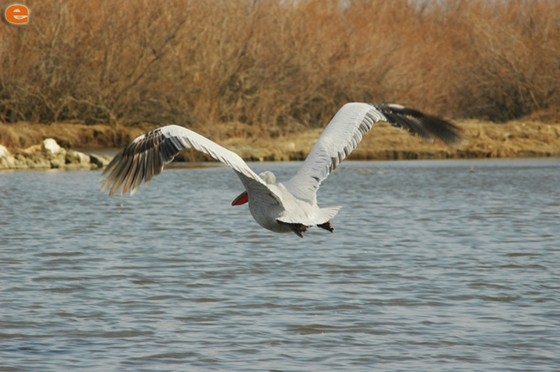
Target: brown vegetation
<point>481,140</point>
<point>272,68</point>
<point>22,135</point>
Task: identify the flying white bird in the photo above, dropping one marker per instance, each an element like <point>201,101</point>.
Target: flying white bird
<point>281,207</point>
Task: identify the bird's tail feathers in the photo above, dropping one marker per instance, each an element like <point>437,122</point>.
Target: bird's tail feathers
<point>327,214</point>
<point>324,215</point>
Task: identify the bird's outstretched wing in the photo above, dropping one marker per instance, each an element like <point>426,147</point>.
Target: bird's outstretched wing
<point>145,157</point>
<point>345,131</point>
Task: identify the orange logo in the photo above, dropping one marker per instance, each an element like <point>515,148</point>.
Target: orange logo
<point>17,14</point>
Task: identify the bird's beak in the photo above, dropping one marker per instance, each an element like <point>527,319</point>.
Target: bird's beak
<point>241,199</point>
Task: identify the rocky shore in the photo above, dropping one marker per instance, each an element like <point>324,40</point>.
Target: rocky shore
<point>50,155</point>
<point>523,138</point>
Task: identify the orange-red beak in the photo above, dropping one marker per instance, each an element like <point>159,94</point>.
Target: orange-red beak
<point>241,199</point>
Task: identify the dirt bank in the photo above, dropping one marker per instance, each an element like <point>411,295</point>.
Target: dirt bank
<point>482,140</point>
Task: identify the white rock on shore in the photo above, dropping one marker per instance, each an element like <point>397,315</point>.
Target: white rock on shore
<point>50,146</point>
<point>3,152</point>
<point>50,155</point>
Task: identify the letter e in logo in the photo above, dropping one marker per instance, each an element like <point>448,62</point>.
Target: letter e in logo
<point>17,14</point>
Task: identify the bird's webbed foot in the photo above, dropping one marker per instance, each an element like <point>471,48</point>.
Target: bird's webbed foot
<point>327,226</point>
<point>297,228</point>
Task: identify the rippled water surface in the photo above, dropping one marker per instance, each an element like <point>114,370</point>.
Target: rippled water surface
<point>434,266</point>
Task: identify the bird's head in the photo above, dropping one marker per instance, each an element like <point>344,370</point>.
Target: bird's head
<point>267,176</point>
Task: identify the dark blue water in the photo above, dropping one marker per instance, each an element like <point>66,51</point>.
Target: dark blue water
<point>433,266</point>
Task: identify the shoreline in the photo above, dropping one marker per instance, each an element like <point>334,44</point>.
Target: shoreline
<point>482,140</point>
<point>92,146</point>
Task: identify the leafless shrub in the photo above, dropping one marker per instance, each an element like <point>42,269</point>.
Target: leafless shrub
<point>277,66</point>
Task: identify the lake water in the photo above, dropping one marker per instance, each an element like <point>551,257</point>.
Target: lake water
<point>433,266</point>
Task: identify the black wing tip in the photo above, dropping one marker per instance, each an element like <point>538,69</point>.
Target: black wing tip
<point>444,130</point>
<point>415,121</point>
<point>138,162</point>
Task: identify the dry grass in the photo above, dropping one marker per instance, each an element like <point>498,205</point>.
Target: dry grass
<point>481,140</point>
<point>520,138</point>
<point>23,135</point>
<point>270,68</point>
